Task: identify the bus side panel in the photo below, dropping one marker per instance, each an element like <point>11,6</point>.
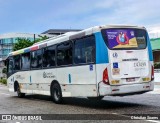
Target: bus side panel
<point>100,69</point>
<point>22,78</point>
<point>33,82</point>
<point>10,83</point>
<point>77,80</point>
<point>150,52</point>
<point>102,61</point>
<point>101,49</point>
<point>41,80</point>
<point>74,81</point>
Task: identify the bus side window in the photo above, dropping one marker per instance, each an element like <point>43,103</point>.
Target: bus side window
<point>84,51</point>
<point>49,57</point>
<point>39,58</point>
<point>17,62</point>
<point>64,54</point>
<point>36,59</point>
<point>25,58</point>
<point>45,57</point>
<point>10,66</point>
<point>33,60</point>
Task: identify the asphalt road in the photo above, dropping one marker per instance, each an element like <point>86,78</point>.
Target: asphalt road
<point>113,107</point>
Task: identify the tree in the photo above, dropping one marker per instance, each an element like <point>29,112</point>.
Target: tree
<point>41,38</point>
<point>23,43</point>
<point>4,70</point>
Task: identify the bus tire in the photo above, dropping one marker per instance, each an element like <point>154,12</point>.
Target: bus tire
<point>95,98</point>
<point>56,93</point>
<point>19,94</point>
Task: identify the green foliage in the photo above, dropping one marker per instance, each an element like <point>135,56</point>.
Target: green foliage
<point>4,70</point>
<point>3,81</point>
<point>41,38</point>
<point>157,65</point>
<point>23,43</point>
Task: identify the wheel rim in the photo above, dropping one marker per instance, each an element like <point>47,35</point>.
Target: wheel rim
<point>56,94</point>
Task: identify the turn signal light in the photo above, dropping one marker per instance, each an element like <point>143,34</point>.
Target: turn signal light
<point>152,75</point>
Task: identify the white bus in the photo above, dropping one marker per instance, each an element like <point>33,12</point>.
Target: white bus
<point>96,62</point>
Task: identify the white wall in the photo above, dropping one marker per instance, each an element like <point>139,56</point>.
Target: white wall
<point>157,75</point>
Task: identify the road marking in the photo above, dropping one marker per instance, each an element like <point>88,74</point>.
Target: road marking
<point>154,121</point>
<point>120,115</point>
<point>4,94</point>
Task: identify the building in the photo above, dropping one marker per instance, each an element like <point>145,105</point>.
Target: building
<point>156,49</point>
<point>155,42</point>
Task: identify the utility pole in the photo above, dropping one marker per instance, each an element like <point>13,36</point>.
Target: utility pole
<point>34,38</point>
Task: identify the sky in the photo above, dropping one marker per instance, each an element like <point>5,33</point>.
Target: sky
<point>37,16</point>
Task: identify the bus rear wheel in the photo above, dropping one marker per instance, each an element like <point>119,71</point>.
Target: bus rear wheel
<point>56,93</point>
<point>19,94</point>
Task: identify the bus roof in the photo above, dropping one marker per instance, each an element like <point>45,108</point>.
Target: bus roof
<point>69,36</point>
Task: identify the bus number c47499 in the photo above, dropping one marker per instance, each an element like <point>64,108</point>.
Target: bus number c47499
<point>140,64</point>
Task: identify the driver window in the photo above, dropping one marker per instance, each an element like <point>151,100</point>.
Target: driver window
<point>10,66</point>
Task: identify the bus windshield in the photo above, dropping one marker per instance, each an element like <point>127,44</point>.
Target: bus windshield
<point>124,38</point>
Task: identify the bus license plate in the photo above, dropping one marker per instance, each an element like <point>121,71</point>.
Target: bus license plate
<point>130,79</point>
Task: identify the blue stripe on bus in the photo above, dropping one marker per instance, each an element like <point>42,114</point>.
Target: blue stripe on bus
<point>69,78</point>
<point>149,48</point>
<point>101,49</point>
<point>26,50</point>
<point>30,79</point>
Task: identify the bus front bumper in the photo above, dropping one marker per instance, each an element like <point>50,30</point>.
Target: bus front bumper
<point>123,90</point>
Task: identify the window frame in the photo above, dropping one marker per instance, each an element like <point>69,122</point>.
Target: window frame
<point>19,62</point>
<point>41,58</point>
<point>105,38</point>
<point>29,63</point>
<point>55,46</point>
<point>77,64</point>
<point>8,60</point>
<point>71,43</point>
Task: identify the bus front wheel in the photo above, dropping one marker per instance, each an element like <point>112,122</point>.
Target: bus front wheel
<point>56,93</point>
<point>20,95</point>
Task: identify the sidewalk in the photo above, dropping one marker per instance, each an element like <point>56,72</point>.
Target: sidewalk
<point>156,88</point>
<point>156,91</point>
<point>2,85</point>
<point>156,83</point>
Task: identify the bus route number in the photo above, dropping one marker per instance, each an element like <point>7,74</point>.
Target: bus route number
<point>140,64</point>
